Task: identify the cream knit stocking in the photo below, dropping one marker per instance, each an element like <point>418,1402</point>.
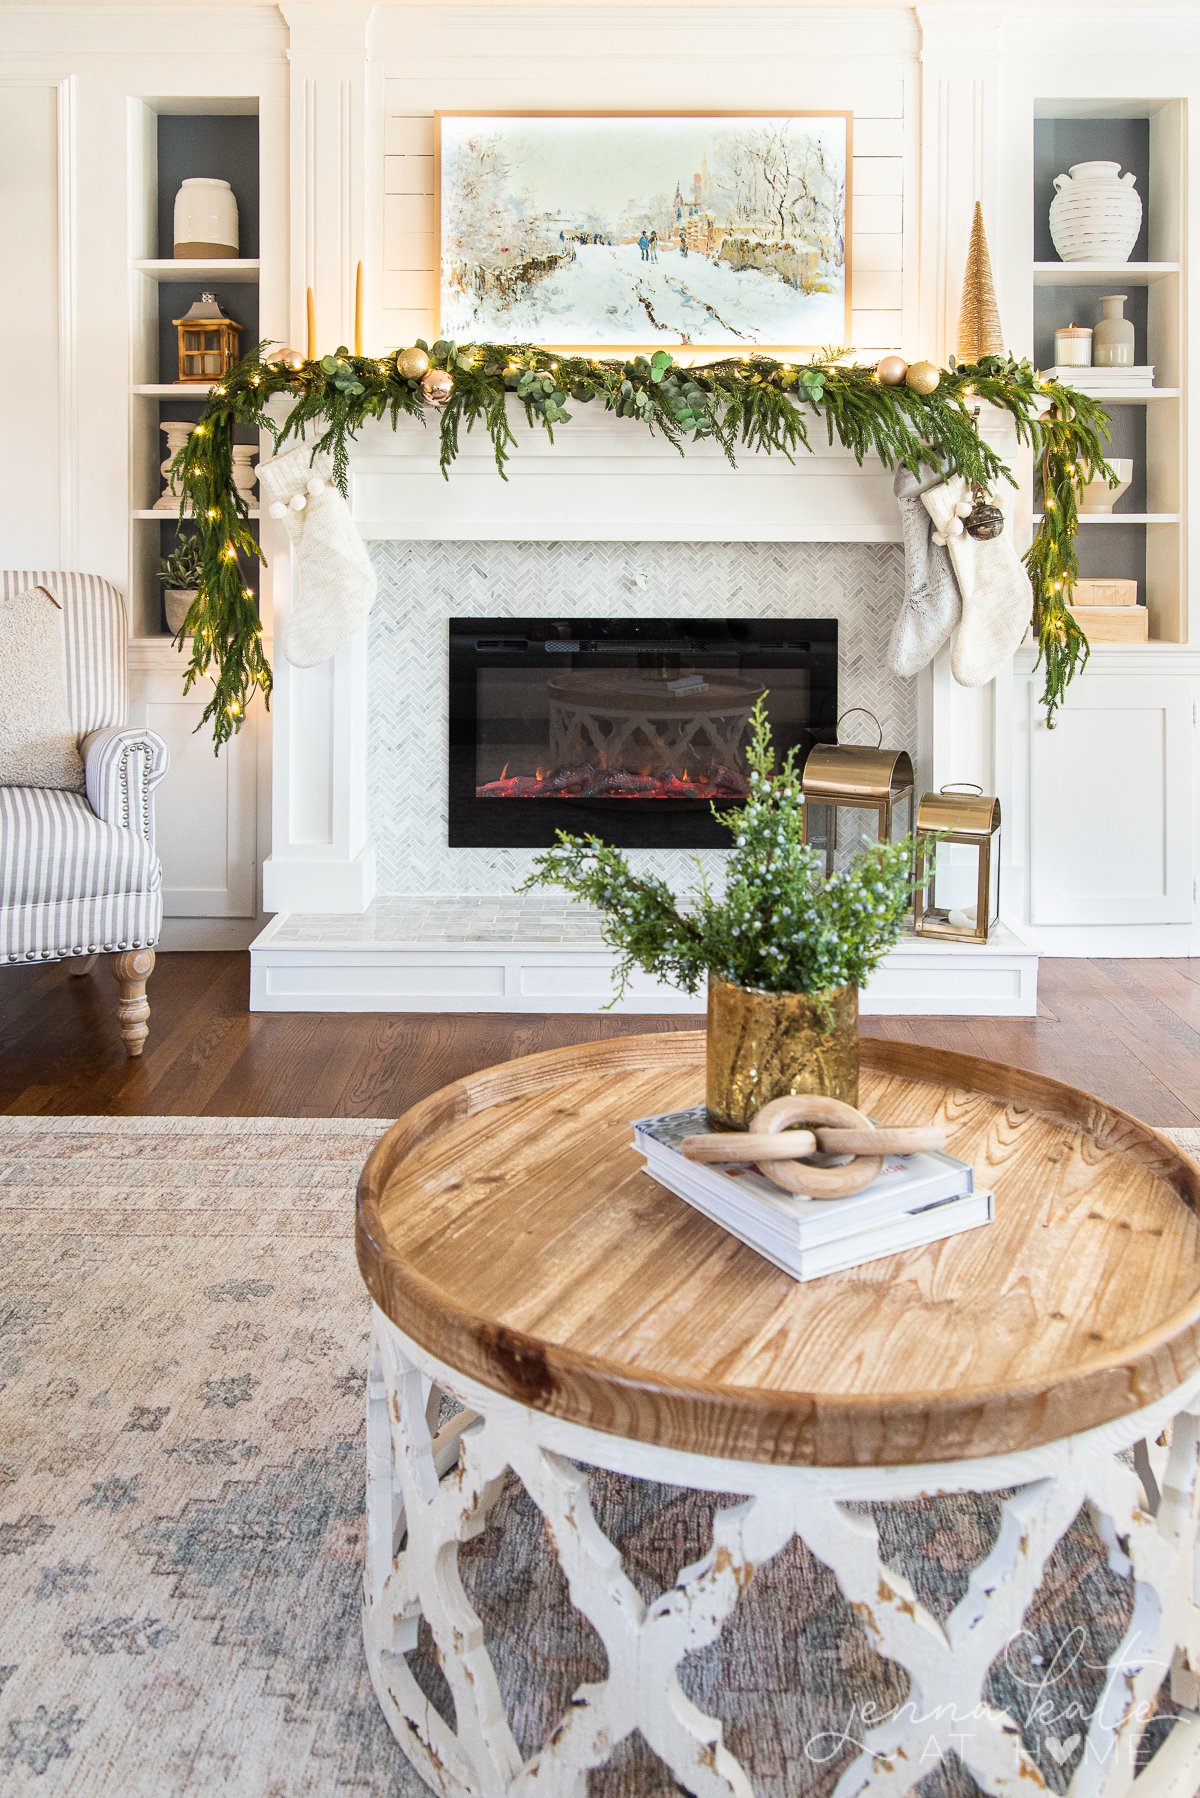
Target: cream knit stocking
<point>335,588</point>
<point>996,597</point>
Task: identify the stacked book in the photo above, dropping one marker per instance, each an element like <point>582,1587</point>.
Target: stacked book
<point>1105,380</point>
<point>916,1199</point>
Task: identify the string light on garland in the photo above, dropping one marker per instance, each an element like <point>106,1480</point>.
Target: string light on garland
<point>751,401</point>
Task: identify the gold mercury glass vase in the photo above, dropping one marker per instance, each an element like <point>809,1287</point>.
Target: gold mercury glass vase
<point>764,1046</point>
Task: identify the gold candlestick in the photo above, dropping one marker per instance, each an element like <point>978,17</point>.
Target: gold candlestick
<point>312,328</point>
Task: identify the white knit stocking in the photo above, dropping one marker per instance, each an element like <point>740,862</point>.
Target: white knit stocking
<point>335,586</point>
<point>996,597</point>
<point>931,606</point>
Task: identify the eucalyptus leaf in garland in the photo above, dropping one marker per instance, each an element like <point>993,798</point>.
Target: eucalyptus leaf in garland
<point>753,402</point>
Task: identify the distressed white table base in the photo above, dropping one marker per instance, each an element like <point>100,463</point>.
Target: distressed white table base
<point>429,1489</point>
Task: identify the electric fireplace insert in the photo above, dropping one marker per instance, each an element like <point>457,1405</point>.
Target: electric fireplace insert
<point>627,728</point>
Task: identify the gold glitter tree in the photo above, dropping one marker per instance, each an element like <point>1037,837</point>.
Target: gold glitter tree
<point>979,332</point>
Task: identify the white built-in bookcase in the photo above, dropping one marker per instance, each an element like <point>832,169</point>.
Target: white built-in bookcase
<point>1145,538</point>
<point>168,140</point>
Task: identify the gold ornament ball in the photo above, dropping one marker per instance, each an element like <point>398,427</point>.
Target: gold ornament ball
<point>922,377</point>
<point>412,364</point>
<point>437,386</point>
<point>891,370</point>
<point>289,358</point>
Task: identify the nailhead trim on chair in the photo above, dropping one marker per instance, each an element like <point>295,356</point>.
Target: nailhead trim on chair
<point>66,954</point>
<point>145,747</point>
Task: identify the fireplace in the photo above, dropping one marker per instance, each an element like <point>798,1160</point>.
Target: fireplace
<point>630,728</point>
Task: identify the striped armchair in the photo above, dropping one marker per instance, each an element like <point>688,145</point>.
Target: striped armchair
<point>78,872</point>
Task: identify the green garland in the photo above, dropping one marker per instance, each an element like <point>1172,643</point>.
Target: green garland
<point>753,401</point>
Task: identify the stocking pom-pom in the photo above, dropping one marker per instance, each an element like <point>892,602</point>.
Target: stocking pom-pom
<point>298,503</point>
<point>316,485</point>
<point>278,509</point>
<point>964,508</point>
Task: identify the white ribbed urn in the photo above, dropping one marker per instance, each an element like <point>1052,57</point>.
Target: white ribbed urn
<point>206,219</point>
<point>1095,214</point>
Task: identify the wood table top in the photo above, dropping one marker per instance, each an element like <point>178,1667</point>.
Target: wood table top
<point>507,1225</point>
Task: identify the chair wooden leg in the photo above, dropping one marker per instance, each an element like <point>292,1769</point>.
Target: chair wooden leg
<point>80,968</point>
<point>132,968</point>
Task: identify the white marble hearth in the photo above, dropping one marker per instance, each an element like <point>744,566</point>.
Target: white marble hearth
<point>542,953</point>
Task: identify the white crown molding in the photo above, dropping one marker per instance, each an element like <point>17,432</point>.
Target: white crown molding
<point>126,34</point>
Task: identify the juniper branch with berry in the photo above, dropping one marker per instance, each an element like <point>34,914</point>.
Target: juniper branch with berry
<point>782,925</point>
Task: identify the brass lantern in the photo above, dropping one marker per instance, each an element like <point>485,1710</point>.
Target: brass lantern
<point>208,340</point>
<point>965,860</point>
<point>873,787</point>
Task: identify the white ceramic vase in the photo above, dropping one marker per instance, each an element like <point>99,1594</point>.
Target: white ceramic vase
<point>1098,497</point>
<point>1113,338</point>
<point>1095,214</point>
<point>206,219</point>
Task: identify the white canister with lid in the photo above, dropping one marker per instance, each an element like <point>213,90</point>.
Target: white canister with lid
<point>1073,346</point>
<point>206,219</point>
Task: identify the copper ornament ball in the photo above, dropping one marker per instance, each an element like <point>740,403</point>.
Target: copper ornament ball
<point>412,364</point>
<point>922,377</point>
<point>437,386</point>
<point>891,370</point>
<point>288,357</point>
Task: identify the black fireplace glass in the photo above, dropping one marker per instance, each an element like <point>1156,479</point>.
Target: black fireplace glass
<point>626,728</point>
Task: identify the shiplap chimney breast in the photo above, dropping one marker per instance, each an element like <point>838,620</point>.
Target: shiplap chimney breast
<point>788,64</point>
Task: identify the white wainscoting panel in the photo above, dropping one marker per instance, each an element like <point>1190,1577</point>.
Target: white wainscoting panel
<point>206,808</point>
<point>1111,803</point>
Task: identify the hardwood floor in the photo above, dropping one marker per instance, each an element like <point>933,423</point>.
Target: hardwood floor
<point>1126,1030</point>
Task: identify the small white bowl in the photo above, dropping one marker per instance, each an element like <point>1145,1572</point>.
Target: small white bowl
<point>1098,497</point>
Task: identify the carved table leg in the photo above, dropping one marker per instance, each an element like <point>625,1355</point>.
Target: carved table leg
<point>132,968</point>
<point>84,966</point>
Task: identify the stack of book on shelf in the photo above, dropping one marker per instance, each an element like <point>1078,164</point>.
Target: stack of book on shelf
<point>916,1199</point>
<point>1105,380</point>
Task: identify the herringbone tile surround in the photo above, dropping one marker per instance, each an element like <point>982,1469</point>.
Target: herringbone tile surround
<point>423,584</point>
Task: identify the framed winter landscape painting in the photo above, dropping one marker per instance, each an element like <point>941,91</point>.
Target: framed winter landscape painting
<point>726,231</point>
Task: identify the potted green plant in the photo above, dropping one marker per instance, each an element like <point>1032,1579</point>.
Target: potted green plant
<point>180,574</point>
<point>784,947</point>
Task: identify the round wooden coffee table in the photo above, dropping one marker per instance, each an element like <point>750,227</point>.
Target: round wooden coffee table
<point>523,1264</point>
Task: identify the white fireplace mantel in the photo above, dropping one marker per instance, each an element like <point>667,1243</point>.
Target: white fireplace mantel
<point>603,478</point>
<point>607,478</point>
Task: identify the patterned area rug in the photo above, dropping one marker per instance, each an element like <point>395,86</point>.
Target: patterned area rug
<point>183,1338</point>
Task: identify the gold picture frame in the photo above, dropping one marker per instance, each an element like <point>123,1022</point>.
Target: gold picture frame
<point>791,257</point>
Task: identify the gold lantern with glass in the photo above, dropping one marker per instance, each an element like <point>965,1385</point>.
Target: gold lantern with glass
<point>208,340</point>
<point>862,794</point>
<point>962,903</point>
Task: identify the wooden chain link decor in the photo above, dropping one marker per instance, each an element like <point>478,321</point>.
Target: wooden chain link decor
<point>780,1148</point>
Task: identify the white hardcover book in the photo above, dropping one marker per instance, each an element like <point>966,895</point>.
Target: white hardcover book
<point>1085,378</point>
<point>737,1189</point>
<point>935,1223</point>
<point>772,1228</point>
